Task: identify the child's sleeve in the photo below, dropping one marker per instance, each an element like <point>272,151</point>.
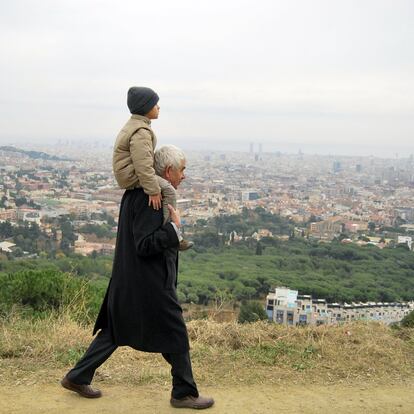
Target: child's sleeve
<point>142,155</point>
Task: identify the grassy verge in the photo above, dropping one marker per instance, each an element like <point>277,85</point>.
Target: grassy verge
<point>42,350</point>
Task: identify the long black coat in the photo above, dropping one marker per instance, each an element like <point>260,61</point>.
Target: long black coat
<point>140,305</point>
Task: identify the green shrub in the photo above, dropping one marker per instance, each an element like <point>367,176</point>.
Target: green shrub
<point>252,312</point>
<point>37,292</point>
<point>408,320</point>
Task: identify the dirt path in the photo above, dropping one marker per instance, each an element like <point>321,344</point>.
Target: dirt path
<point>258,399</point>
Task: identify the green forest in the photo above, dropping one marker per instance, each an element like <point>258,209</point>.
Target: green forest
<point>220,266</point>
<point>333,271</point>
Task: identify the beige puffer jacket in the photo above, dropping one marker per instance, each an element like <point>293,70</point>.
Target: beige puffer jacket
<point>133,158</point>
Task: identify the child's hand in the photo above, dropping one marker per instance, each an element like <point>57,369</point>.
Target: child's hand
<point>155,201</point>
<point>174,215</point>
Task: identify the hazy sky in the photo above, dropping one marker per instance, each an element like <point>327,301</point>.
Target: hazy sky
<point>325,74</point>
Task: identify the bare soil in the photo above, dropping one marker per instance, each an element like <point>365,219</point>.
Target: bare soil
<point>52,398</point>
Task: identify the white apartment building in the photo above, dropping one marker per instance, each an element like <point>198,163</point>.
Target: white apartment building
<point>406,240</point>
<point>286,307</point>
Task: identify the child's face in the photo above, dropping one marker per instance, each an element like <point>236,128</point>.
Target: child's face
<point>153,114</point>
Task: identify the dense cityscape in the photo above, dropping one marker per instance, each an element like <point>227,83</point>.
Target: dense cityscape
<point>363,200</point>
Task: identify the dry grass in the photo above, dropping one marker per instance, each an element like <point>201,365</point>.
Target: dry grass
<point>36,351</point>
<point>328,353</point>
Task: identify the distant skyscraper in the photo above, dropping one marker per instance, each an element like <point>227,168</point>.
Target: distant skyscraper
<point>249,195</point>
<point>358,168</point>
<point>251,148</point>
<point>336,166</point>
<point>260,148</point>
<point>390,174</point>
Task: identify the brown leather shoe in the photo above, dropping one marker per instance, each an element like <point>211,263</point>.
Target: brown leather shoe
<point>185,245</point>
<point>84,390</point>
<point>198,403</point>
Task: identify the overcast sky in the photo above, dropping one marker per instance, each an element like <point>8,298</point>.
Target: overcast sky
<point>328,75</point>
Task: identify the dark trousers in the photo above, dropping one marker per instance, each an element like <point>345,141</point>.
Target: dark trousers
<point>103,346</point>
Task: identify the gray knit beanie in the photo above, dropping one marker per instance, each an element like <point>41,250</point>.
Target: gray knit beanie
<point>141,100</point>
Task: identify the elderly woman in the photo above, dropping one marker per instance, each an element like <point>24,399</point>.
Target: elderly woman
<point>140,308</point>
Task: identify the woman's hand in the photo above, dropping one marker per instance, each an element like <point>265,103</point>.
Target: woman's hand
<point>175,216</point>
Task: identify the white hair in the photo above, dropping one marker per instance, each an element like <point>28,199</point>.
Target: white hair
<point>167,156</point>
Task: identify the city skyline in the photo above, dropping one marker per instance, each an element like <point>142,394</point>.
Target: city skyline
<point>60,145</point>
